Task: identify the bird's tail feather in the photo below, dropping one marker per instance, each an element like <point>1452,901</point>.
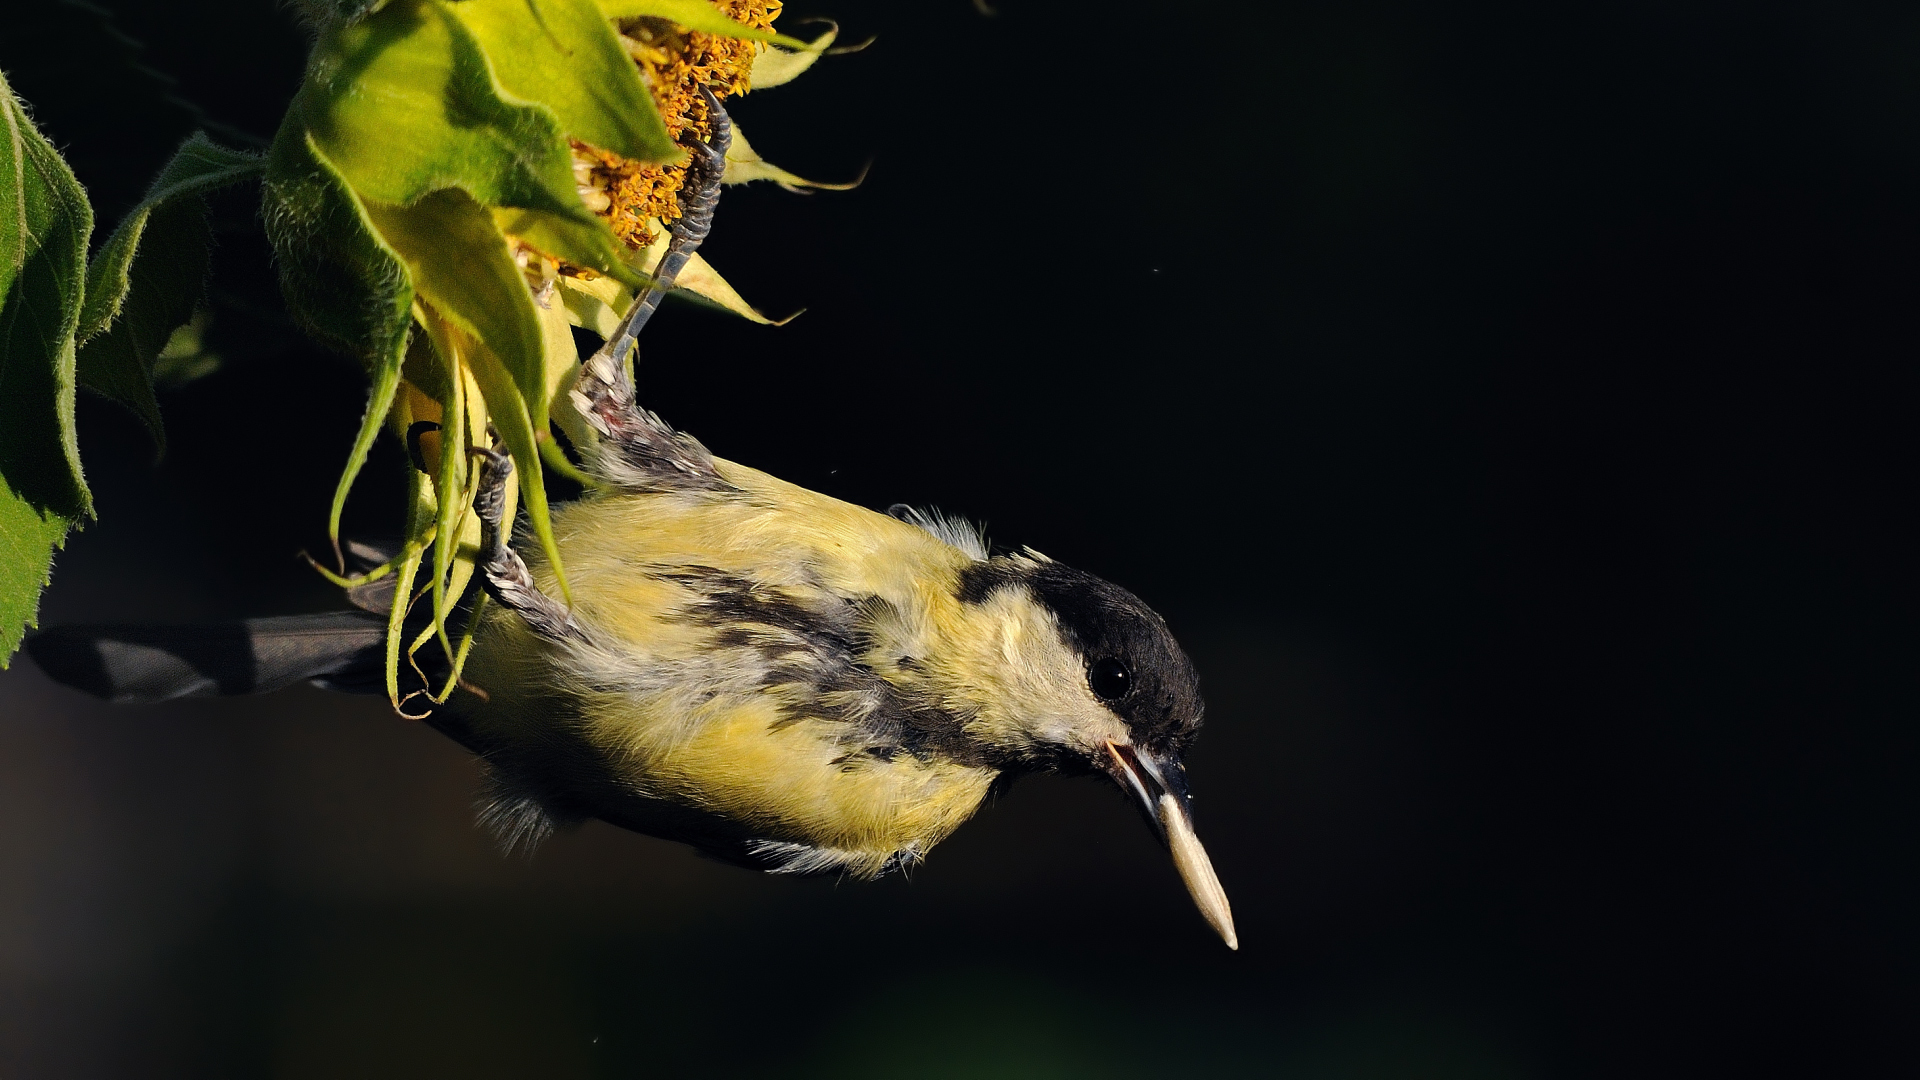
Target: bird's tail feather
<point>338,650</point>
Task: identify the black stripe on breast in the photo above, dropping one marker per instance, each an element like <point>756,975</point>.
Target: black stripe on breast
<point>812,644</point>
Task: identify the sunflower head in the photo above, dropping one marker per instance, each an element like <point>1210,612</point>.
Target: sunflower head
<point>675,63</point>
<point>459,183</point>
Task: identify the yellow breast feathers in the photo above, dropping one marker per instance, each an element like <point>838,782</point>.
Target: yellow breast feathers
<point>755,653</point>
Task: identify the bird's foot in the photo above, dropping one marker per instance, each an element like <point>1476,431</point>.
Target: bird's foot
<point>502,572</point>
<point>638,451</point>
<point>605,390</point>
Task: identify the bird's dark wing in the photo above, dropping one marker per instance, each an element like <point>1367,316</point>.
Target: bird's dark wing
<point>340,650</point>
<point>376,595</point>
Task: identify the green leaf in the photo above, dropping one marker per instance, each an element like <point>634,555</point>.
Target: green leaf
<point>565,55</point>
<point>404,103</point>
<point>511,415</point>
<point>28,539</point>
<point>594,304</point>
<point>44,224</point>
<point>421,511</point>
<point>694,15</point>
<point>318,14</point>
<point>592,245</point>
<point>118,365</point>
<point>460,262</point>
<point>143,283</point>
<point>342,283</point>
<point>460,422</point>
<point>185,357</point>
<point>198,167</point>
<point>563,370</point>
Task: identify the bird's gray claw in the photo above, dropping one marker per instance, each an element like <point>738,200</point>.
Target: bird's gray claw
<point>502,572</point>
<point>490,500</point>
<point>714,150</point>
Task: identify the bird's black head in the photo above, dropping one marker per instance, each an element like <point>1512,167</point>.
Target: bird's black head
<point>1090,679</point>
<point>1134,666</point>
<point>1126,661</point>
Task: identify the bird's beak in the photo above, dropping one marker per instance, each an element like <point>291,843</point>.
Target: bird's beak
<point>1160,783</point>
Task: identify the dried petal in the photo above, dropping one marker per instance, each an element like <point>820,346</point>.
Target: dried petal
<point>745,165</point>
<point>773,66</point>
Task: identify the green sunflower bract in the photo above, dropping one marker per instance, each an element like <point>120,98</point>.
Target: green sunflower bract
<point>424,198</point>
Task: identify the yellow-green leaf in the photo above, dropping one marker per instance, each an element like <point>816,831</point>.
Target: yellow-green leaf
<point>698,280</point>
<point>511,416</point>
<point>462,425</point>
<point>701,281</point>
<point>422,509</point>
<point>563,369</point>
<point>745,165</point>
<point>773,67</point>
<point>565,55</point>
<point>404,102</point>
<point>459,261</point>
<point>595,305</point>
<point>590,245</point>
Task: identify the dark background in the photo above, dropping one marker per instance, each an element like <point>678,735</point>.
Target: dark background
<point>1509,405</point>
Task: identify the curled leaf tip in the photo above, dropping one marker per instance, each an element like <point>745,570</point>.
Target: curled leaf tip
<point>844,50</point>
<point>777,66</point>
<point>808,187</point>
<point>745,165</point>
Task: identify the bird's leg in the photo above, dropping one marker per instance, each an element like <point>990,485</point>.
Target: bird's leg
<point>637,450</point>
<point>502,572</point>
<point>604,393</point>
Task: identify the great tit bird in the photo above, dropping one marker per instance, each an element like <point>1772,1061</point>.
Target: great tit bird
<point>776,677</point>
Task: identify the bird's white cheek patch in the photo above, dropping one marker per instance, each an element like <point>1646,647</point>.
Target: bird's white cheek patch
<point>1087,731</point>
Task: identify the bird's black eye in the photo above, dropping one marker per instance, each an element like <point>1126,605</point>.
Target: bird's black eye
<point>1109,679</point>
